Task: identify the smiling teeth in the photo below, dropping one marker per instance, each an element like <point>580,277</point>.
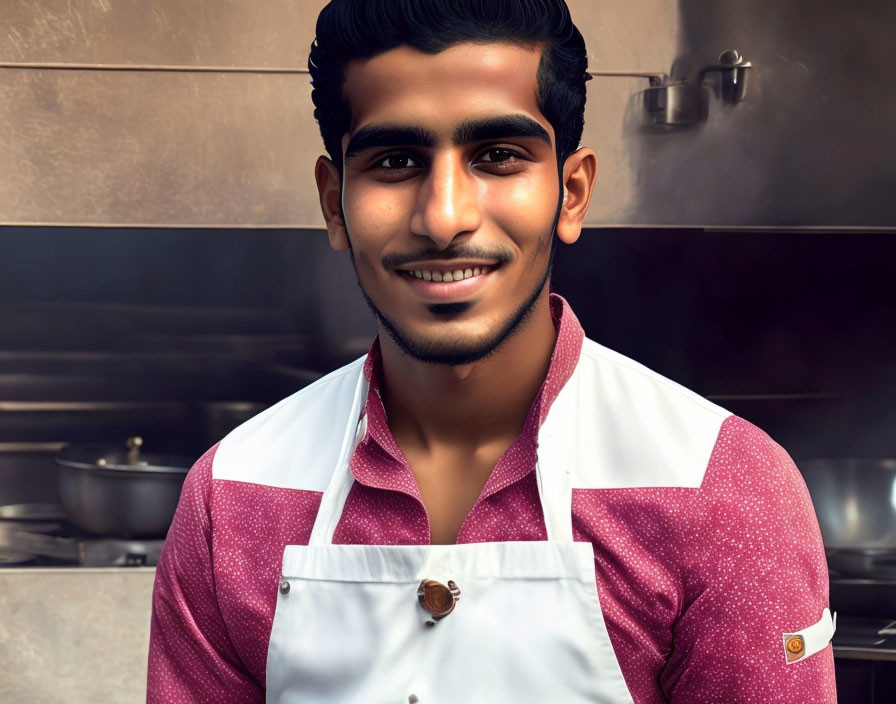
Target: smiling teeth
<point>449,275</point>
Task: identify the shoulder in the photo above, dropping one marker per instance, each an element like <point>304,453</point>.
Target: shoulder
<point>636,427</point>
<point>296,443</point>
<point>753,569</point>
<point>646,388</point>
<point>751,474</point>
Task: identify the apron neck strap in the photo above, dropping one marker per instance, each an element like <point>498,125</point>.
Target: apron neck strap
<point>336,493</point>
<point>553,468</point>
<point>556,443</point>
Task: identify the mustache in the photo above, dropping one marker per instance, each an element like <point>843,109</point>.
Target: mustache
<point>500,255</point>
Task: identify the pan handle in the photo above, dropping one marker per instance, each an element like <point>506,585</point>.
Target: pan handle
<point>36,544</point>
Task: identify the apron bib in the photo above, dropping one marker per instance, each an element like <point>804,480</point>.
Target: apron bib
<point>527,626</point>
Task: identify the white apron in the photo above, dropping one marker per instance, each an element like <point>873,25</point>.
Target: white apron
<point>527,627</point>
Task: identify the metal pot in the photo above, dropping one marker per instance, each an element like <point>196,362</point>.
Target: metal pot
<point>855,500</point>
<point>116,491</point>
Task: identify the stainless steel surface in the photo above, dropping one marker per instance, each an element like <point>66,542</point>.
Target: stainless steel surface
<point>811,144</point>
<point>10,559</point>
<point>126,147</point>
<point>160,68</point>
<point>72,421</point>
<point>235,34</point>
<point>118,499</point>
<point>685,103</point>
<point>99,145</point>
<point>28,472</point>
<point>93,332</point>
<point>123,459</point>
<point>731,66</point>
<point>134,444</point>
<point>855,501</point>
<point>732,70</point>
<point>864,639</point>
<point>42,534</point>
<point>34,544</point>
<point>34,518</point>
<point>674,105</point>
<point>875,563</point>
<point>656,78</point>
<point>86,552</point>
<point>76,388</point>
<point>37,513</point>
<point>867,652</point>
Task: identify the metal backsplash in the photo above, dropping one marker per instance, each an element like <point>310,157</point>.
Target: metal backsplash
<point>812,144</point>
<point>112,114</point>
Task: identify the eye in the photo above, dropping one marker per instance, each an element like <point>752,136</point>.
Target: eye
<point>397,162</point>
<point>501,160</point>
<point>499,155</point>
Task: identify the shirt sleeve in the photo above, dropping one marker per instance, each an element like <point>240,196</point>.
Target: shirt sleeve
<point>191,657</point>
<point>756,571</point>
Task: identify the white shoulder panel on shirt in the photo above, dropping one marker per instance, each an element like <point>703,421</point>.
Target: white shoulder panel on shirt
<point>616,424</point>
<point>296,443</point>
<point>636,428</point>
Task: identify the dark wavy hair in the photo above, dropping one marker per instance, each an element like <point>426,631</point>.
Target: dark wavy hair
<point>357,29</point>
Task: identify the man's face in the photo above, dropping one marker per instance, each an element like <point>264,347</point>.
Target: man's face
<point>450,194</point>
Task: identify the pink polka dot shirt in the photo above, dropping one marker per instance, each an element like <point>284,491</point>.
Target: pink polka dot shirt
<point>697,584</point>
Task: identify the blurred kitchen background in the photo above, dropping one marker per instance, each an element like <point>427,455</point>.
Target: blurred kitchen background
<point>164,271</point>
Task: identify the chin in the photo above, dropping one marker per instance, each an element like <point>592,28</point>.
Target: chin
<point>455,350</point>
<point>437,350</point>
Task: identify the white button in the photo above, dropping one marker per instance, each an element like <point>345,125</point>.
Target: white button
<point>361,430</point>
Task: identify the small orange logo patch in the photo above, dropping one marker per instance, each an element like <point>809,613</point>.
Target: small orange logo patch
<point>794,647</point>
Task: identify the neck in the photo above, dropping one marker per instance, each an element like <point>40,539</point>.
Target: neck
<point>473,404</point>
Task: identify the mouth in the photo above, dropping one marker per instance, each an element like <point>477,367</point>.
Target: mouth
<point>447,282</point>
<point>447,276</point>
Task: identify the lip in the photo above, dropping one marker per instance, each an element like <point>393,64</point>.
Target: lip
<point>446,292</point>
<point>448,265</point>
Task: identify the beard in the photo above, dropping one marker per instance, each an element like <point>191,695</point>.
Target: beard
<point>459,352</point>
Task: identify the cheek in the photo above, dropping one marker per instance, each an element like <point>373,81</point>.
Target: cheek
<point>368,209</point>
<point>526,211</point>
<point>372,222</point>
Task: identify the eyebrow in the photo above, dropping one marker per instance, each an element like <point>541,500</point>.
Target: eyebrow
<point>512,126</point>
<point>376,136</point>
<point>504,127</point>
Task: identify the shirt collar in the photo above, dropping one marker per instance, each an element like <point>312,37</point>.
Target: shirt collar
<point>379,462</point>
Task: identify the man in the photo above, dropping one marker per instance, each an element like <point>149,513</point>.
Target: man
<point>488,507</point>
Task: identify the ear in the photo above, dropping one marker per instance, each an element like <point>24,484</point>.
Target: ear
<point>329,189</point>
<point>579,175</point>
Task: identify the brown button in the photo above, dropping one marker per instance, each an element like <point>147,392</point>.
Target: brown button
<point>436,598</point>
<point>795,644</point>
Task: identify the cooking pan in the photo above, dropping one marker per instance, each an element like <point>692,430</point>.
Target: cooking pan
<point>119,491</point>
<point>855,501</point>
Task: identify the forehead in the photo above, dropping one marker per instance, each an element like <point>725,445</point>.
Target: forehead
<point>440,91</point>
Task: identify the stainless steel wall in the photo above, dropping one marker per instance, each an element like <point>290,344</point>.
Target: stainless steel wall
<point>198,114</point>
<point>813,143</point>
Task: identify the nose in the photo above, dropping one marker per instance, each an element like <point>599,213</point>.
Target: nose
<point>447,203</point>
